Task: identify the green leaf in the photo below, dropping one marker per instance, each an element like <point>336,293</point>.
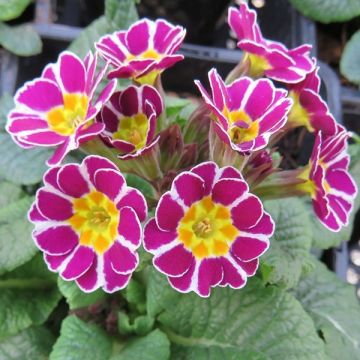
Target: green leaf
<point>6,104</point>
<point>154,346</point>
<point>22,40</point>
<point>79,340</point>
<point>158,293</point>
<point>20,166</point>
<point>141,325</point>
<point>327,11</point>
<point>335,310</point>
<point>77,298</point>
<point>119,14</point>
<point>288,254</point>
<point>256,322</point>
<point>9,192</point>
<point>34,343</point>
<point>27,297</point>
<point>350,59</point>
<point>140,184</point>
<point>11,9</point>
<point>134,294</point>
<point>16,244</point>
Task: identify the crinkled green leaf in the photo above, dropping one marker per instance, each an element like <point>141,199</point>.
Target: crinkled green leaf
<point>350,59</point>
<point>119,14</point>
<point>27,297</point>
<point>79,341</point>
<point>256,322</point>
<point>9,192</point>
<point>34,343</point>
<point>154,346</point>
<point>20,166</point>
<point>77,298</point>
<point>135,295</point>
<point>22,40</point>
<point>335,310</point>
<point>288,254</point>
<point>158,293</point>
<point>16,244</point>
<point>11,9</point>
<point>327,11</point>
<point>140,325</point>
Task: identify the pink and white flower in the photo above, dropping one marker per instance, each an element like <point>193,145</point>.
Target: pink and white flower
<point>130,118</point>
<point>58,109</point>
<point>247,112</point>
<point>87,223</point>
<point>309,109</point>
<point>144,51</point>
<point>328,181</point>
<point>266,57</point>
<point>208,230</point>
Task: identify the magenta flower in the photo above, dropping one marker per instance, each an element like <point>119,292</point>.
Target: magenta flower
<point>130,120</point>
<point>208,230</point>
<point>328,181</point>
<point>309,109</point>
<point>87,223</point>
<point>58,108</point>
<point>247,111</point>
<point>266,57</point>
<point>144,51</point>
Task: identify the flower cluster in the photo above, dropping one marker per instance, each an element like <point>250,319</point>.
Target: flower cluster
<point>205,180</point>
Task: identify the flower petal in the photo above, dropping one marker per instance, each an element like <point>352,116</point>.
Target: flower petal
<point>248,248</point>
<point>71,181</point>
<point>189,187</point>
<point>154,237</point>
<point>58,240</point>
<point>53,206</point>
<point>109,182</point>
<point>168,213</point>
<point>129,226</point>
<point>227,191</point>
<point>174,262</point>
<point>122,260</point>
<point>134,199</point>
<point>247,213</point>
<point>79,263</point>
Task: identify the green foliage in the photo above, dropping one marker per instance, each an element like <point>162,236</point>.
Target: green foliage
<point>20,166</point>
<point>154,346</point>
<point>350,59</point>
<point>256,322</point>
<point>16,244</point>
<point>140,184</point>
<point>28,295</point>
<point>11,9</point>
<point>77,298</point>
<point>327,11</point>
<point>79,340</point>
<point>33,343</point>
<point>335,310</point>
<point>288,254</point>
<point>119,14</point>
<point>22,40</point>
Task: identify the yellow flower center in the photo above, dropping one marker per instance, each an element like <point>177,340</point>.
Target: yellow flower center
<point>64,120</point>
<point>240,134</point>
<point>206,229</point>
<point>298,115</point>
<point>258,65</point>
<point>96,219</point>
<point>309,185</point>
<point>147,54</point>
<point>133,130</point>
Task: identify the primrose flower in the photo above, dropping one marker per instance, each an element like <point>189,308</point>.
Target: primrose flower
<point>144,51</point>
<point>247,112</point>
<point>328,181</point>
<point>309,109</point>
<point>58,108</point>
<point>266,57</point>
<point>87,223</point>
<point>130,120</point>
<point>208,230</point>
